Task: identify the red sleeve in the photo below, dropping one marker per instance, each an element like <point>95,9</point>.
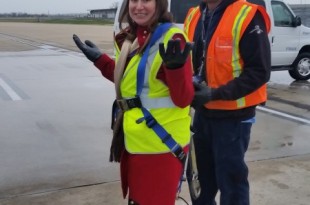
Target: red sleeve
<point>179,80</point>
<point>106,66</point>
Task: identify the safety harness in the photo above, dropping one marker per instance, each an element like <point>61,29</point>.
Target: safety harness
<point>126,104</point>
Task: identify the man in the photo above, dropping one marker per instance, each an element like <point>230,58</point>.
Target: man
<point>232,62</point>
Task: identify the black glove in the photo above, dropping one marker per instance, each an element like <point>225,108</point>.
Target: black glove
<point>173,57</point>
<point>90,50</point>
<point>203,94</point>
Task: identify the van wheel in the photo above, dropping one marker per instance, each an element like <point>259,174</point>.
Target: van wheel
<point>301,67</point>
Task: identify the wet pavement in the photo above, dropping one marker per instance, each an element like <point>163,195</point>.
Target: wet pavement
<point>55,125</point>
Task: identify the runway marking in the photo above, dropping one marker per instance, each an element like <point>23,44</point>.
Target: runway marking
<point>47,47</point>
<point>10,91</point>
<point>285,115</point>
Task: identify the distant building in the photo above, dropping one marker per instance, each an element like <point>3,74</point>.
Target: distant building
<point>103,13</point>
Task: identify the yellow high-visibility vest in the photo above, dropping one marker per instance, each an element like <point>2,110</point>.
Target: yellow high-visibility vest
<point>156,98</point>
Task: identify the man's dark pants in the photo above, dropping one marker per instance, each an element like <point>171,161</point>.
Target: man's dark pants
<point>220,148</point>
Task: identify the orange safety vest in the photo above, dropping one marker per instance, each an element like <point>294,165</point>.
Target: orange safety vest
<point>223,59</point>
<point>191,20</point>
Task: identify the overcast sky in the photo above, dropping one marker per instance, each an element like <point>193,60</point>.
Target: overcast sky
<point>53,6</point>
<point>66,6</point>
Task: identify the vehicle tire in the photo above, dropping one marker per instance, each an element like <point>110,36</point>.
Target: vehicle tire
<point>301,67</point>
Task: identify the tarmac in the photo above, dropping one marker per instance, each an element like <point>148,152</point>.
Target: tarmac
<point>276,177</point>
<point>278,181</point>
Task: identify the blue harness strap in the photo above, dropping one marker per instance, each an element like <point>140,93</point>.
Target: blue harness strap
<point>151,122</point>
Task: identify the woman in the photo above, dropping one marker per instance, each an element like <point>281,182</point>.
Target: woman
<point>156,129</point>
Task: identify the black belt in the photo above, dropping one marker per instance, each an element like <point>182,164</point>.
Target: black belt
<point>127,104</point>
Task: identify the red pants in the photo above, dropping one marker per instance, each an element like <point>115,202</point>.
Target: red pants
<point>152,179</point>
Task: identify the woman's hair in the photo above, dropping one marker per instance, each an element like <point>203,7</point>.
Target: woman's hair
<point>162,15</point>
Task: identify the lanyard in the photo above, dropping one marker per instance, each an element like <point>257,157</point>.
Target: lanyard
<point>201,76</point>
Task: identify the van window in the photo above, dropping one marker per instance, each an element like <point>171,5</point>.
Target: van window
<point>179,8</point>
<point>281,14</point>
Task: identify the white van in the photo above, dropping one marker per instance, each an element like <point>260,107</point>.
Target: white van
<point>290,40</point>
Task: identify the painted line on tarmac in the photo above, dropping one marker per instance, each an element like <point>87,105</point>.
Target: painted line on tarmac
<point>20,40</point>
<point>47,47</point>
<point>284,115</point>
<point>13,95</point>
<point>9,91</point>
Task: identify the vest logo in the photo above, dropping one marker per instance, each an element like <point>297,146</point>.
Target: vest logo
<point>257,29</point>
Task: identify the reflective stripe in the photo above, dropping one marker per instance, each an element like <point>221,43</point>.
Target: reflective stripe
<point>151,103</point>
<point>150,60</point>
<point>158,102</point>
<point>190,22</point>
<point>189,19</point>
<point>236,31</point>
